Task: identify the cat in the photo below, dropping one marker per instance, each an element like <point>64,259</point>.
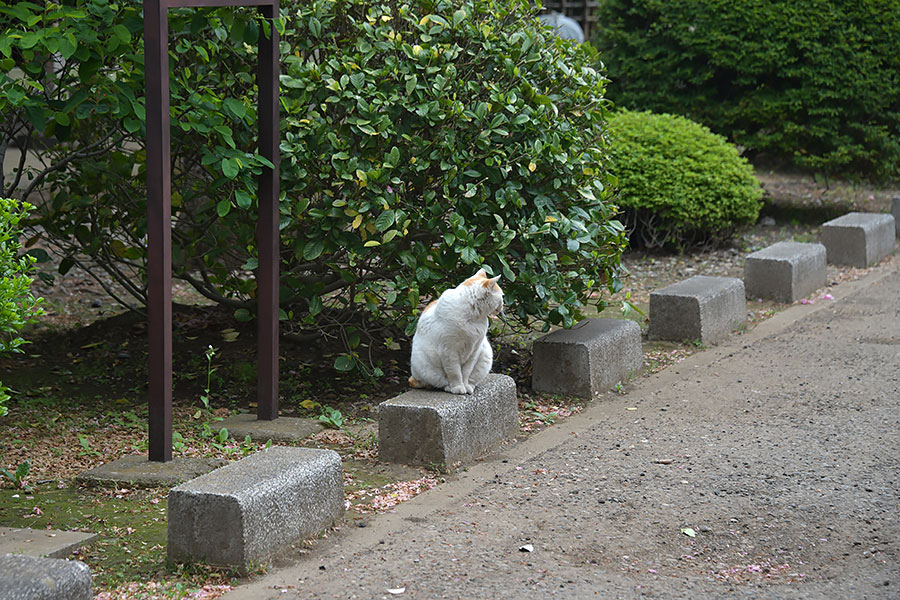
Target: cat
<point>450,350</point>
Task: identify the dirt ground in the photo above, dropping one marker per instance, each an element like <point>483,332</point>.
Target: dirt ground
<point>83,383</point>
<point>766,467</point>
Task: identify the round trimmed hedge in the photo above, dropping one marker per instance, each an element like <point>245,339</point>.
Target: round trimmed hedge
<point>679,183</point>
<point>809,82</point>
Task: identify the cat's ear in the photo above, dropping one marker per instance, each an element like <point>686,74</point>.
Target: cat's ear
<point>481,274</point>
<point>489,283</point>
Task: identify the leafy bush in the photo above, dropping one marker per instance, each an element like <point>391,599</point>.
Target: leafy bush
<point>810,81</point>
<point>679,183</point>
<point>17,305</point>
<point>420,140</point>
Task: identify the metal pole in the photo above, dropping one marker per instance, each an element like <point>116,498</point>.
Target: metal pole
<point>159,230</point>
<point>267,231</point>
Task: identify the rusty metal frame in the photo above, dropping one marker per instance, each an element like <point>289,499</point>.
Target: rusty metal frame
<point>159,218</point>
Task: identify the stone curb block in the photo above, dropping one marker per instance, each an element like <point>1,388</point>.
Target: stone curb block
<point>859,239</point>
<point>422,427</point>
<point>785,272</point>
<point>37,578</point>
<point>895,212</point>
<point>589,358</point>
<point>700,308</point>
<point>244,513</point>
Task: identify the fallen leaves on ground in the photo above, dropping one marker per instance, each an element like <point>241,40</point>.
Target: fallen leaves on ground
<point>384,498</point>
<point>156,591</point>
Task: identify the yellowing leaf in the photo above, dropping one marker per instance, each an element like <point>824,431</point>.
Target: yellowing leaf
<point>424,20</point>
<point>309,404</point>
<point>118,248</point>
<point>550,219</point>
<point>371,243</point>
<point>532,167</point>
<point>357,221</point>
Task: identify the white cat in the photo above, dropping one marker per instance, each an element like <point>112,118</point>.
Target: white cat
<point>450,350</point>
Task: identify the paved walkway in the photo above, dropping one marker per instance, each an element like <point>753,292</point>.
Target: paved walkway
<point>765,467</point>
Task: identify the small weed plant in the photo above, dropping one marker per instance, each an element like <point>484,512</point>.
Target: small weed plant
<point>206,430</point>
<point>18,477</point>
<point>331,418</point>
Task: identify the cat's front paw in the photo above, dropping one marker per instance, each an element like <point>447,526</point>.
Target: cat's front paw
<point>470,389</point>
<point>456,389</point>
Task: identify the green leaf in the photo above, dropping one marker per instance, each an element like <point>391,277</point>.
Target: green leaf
<point>65,265</point>
<point>315,27</point>
<point>121,32</point>
<point>243,199</point>
<point>384,220</point>
<point>230,168</point>
<point>235,107</point>
<point>223,207</point>
<point>313,249</point>
<point>343,363</point>
<point>411,83</point>
<point>315,305</point>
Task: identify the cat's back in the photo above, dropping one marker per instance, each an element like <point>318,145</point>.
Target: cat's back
<point>427,320</point>
<point>440,317</point>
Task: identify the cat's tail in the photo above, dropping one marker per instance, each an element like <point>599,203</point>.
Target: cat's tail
<point>415,383</point>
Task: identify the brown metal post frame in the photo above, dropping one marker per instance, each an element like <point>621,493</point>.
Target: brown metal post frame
<point>159,218</point>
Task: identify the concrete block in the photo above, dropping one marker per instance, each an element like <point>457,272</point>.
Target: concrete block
<point>785,272</point>
<point>135,470</point>
<point>422,427</point>
<point>283,430</point>
<point>589,358</point>
<point>51,543</point>
<point>37,578</point>
<point>859,239</point>
<point>700,308</point>
<point>895,212</point>
<point>244,513</point>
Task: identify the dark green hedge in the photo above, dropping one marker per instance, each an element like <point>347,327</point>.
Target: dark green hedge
<point>816,82</point>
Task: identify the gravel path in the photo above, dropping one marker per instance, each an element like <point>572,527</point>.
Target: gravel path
<point>766,467</point>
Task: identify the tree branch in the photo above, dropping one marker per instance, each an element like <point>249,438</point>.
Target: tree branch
<point>86,152</point>
<point>208,291</point>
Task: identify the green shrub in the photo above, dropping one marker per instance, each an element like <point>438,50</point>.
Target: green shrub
<point>812,82</point>
<point>420,140</point>
<point>17,305</point>
<point>679,183</point>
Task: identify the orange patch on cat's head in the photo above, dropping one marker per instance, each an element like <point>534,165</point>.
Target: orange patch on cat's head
<point>476,278</point>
